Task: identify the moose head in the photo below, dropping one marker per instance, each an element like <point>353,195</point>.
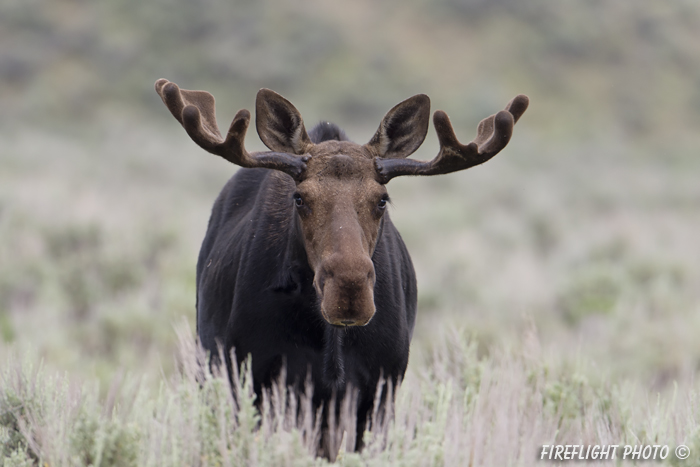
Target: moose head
<point>341,197</point>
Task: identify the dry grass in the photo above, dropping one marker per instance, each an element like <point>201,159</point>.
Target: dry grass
<point>459,410</point>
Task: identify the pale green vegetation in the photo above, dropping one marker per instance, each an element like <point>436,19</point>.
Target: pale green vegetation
<point>559,297</point>
<point>458,409</point>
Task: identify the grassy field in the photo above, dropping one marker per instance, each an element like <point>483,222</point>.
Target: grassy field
<point>558,283</point>
<point>557,305</point>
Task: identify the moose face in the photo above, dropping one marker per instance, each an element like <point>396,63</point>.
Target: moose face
<point>340,205</point>
<point>340,196</point>
<point>340,199</point>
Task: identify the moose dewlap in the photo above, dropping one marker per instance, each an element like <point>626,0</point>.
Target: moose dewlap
<point>301,266</point>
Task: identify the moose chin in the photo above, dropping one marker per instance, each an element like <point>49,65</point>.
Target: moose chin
<point>301,266</point>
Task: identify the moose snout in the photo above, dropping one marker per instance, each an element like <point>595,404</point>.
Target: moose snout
<point>346,288</point>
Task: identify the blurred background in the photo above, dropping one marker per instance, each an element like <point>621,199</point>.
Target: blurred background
<point>584,231</point>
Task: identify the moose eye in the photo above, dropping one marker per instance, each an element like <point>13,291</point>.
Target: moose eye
<point>382,203</point>
<point>298,201</point>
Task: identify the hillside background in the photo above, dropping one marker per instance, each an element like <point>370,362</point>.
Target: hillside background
<point>583,232</point>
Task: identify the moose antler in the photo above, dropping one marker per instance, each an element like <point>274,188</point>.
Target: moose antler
<point>493,134</point>
<point>195,110</point>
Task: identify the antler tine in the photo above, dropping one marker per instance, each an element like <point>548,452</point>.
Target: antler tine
<point>195,110</point>
<point>518,106</point>
<point>493,134</point>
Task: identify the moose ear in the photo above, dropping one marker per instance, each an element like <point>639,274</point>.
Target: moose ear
<point>279,124</point>
<point>403,129</point>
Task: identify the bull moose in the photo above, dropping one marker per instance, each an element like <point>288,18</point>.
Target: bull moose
<point>301,266</point>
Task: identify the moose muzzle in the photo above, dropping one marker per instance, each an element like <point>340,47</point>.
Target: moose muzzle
<point>346,287</point>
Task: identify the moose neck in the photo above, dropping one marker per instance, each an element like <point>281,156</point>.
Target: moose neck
<point>333,358</point>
